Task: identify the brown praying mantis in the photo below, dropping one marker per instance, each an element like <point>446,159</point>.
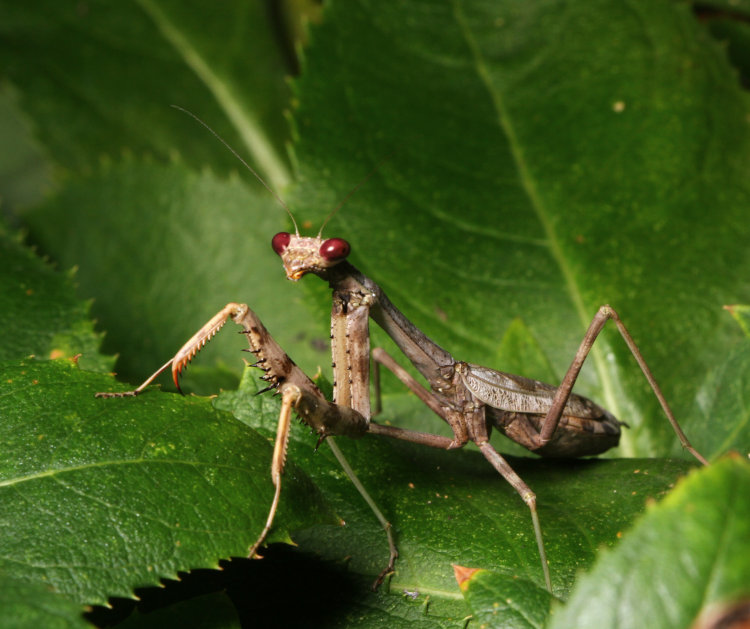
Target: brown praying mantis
<point>471,399</point>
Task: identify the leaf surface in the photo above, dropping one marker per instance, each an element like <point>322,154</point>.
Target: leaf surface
<point>501,601</point>
<point>39,313</point>
<point>109,495</point>
<point>26,604</point>
<point>541,159</point>
<point>694,545</point>
<point>128,63</point>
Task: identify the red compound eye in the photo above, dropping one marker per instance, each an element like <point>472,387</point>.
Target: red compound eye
<point>280,242</point>
<point>334,249</point>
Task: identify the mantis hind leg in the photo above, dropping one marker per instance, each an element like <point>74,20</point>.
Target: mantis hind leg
<point>604,314</point>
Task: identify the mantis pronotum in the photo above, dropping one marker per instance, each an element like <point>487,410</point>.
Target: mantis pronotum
<point>551,421</point>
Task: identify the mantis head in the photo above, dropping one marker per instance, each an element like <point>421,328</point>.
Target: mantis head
<point>302,255</point>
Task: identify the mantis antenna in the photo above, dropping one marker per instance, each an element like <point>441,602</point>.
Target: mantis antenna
<point>244,163</point>
<point>331,214</point>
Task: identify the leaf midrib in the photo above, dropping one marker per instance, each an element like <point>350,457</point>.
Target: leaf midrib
<point>11,482</point>
<point>250,131</point>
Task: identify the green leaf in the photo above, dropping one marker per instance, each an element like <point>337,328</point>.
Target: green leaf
<point>497,600</point>
<point>111,72</point>
<point>103,496</point>
<point>741,314</point>
<point>39,313</point>
<point>542,159</point>
<point>24,174</point>
<point>30,605</point>
<point>723,398</point>
<point>685,555</point>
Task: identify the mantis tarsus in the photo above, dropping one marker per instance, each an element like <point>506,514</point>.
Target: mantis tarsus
<point>548,420</point>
